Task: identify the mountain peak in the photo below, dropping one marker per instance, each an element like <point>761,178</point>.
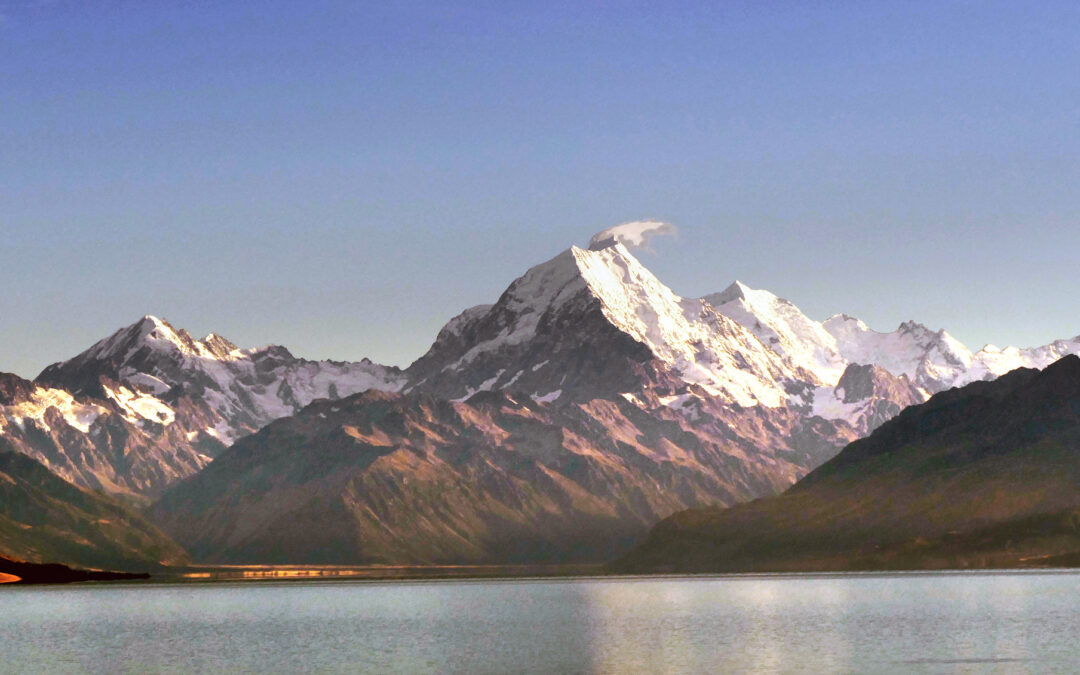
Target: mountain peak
<point>596,306</point>
<point>148,332</point>
<point>736,291</point>
<point>783,328</point>
<point>147,345</point>
<point>217,346</point>
<point>912,326</point>
<point>159,336</point>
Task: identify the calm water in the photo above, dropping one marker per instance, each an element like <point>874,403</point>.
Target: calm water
<point>1007,622</point>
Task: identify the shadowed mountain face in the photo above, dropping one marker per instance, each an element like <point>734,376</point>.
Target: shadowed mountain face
<point>392,478</point>
<point>45,519</point>
<point>984,475</point>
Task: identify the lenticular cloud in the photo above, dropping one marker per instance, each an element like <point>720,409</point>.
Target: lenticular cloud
<point>636,234</point>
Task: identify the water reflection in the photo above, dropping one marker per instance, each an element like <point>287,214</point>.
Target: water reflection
<point>826,623</point>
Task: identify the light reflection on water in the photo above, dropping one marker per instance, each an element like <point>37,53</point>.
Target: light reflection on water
<point>982,622</point>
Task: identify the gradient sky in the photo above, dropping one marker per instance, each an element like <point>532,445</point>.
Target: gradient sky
<point>343,177</point>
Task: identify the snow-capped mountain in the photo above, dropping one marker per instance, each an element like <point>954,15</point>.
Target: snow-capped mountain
<point>596,322</point>
<point>931,360</point>
<point>783,328</point>
<point>149,404</point>
<point>149,367</point>
<point>935,360</point>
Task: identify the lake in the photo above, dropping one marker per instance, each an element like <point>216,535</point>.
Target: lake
<point>908,622</point>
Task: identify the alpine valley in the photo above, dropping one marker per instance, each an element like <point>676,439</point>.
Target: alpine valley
<point>558,424</point>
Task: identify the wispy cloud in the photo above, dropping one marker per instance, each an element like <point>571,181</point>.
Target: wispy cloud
<point>635,234</point>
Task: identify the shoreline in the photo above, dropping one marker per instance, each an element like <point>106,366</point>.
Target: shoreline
<point>212,573</point>
<point>485,574</point>
<point>286,573</point>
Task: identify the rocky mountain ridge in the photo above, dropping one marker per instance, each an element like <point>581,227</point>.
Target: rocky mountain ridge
<point>150,404</point>
<point>557,423</point>
<point>394,478</point>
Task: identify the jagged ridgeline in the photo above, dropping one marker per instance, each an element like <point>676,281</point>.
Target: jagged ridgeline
<point>980,476</point>
<point>560,422</point>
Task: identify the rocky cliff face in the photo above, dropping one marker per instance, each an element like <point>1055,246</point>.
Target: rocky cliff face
<point>97,443</point>
<point>412,478</point>
<point>866,396</point>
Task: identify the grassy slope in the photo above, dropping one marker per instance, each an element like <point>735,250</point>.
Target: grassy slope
<point>46,519</point>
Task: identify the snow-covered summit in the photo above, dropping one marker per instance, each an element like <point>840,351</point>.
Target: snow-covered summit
<point>992,361</point>
<point>933,360</point>
<point>158,374</point>
<point>573,298</point>
<point>784,328</point>
<point>154,334</point>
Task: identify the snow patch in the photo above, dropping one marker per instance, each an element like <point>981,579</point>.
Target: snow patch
<point>548,398</point>
<point>76,415</point>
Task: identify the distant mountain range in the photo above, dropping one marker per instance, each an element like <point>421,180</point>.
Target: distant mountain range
<point>559,423</point>
<point>149,404</point>
<point>981,476</point>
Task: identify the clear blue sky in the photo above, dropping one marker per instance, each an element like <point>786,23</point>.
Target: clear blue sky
<point>343,177</point>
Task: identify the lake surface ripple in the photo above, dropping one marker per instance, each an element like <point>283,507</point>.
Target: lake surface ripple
<point>942,622</point>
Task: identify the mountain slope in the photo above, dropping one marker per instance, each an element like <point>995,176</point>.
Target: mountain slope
<point>984,475</point>
<point>45,519</point>
<point>410,478</point>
